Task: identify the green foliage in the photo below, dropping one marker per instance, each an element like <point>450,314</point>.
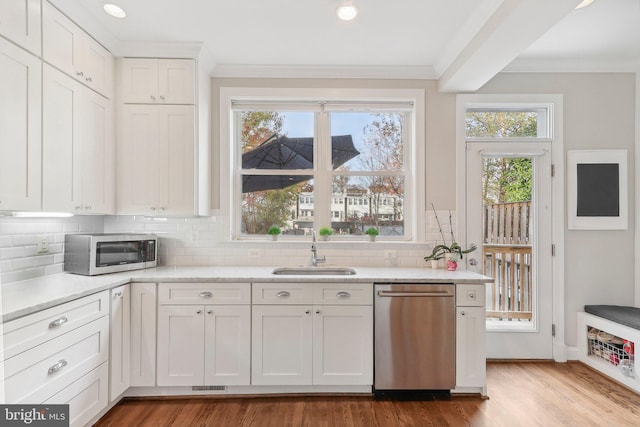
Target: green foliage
<point>257,126</point>
<point>325,231</point>
<point>274,231</point>
<point>371,231</point>
<point>501,124</point>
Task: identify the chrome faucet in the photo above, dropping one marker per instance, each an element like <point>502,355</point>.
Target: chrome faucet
<point>315,260</point>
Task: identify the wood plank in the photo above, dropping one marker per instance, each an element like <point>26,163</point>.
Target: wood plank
<point>521,393</point>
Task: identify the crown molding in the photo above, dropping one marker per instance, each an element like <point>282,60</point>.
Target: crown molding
<point>325,72</point>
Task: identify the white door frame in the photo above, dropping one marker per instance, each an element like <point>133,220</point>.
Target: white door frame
<point>560,349</point>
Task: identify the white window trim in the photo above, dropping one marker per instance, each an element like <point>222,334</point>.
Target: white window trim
<point>414,195</point>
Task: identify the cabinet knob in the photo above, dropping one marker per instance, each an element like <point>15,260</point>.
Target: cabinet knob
<point>161,98</point>
<point>209,311</point>
<point>153,208</point>
<point>462,313</point>
<point>78,208</point>
<point>88,207</point>
<point>205,294</point>
<point>283,294</point>
<point>343,294</point>
<point>153,98</point>
<point>199,312</point>
<point>89,79</point>
<point>117,295</point>
<point>317,311</point>
<point>57,366</point>
<point>79,73</point>
<point>307,311</point>
<point>161,208</point>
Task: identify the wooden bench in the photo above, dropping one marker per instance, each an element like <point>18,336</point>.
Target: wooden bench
<point>608,336</point>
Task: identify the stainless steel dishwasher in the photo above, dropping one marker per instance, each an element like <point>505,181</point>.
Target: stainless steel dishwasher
<point>414,337</point>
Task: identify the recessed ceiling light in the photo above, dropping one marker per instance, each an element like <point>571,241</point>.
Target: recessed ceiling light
<point>114,10</point>
<point>584,3</point>
<point>347,12</point>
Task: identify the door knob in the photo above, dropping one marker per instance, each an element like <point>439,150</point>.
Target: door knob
<point>473,261</point>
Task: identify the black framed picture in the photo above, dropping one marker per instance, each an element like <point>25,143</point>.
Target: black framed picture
<point>597,185</point>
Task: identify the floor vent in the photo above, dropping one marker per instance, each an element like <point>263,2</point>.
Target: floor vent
<point>208,388</point>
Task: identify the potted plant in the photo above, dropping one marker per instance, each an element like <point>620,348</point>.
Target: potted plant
<point>372,233</point>
<point>325,232</point>
<point>274,232</point>
<point>451,253</point>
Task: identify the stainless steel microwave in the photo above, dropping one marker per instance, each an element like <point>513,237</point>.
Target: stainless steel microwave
<point>92,254</point>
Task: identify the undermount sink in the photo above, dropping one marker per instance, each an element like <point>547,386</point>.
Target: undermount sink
<point>314,271</point>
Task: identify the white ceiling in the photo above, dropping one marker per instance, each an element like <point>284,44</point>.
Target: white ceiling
<point>461,42</point>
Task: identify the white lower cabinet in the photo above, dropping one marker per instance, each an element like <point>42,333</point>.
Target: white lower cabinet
<point>281,345</point>
<point>143,334</point>
<point>120,351</point>
<point>314,344</point>
<point>204,344</point>
<point>86,397</point>
<point>471,362</point>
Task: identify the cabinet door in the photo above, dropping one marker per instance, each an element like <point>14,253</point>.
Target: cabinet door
<point>20,23</point>
<point>97,67</point>
<point>176,178</point>
<point>61,142</point>
<point>143,334</point>
<point>20,132</point>
<point>139,80</point>
<point>180,345</point>
<point>61,40</point>
<point>98,152</point>
<point>227,345</point>
<point>176,81</point>
<point>120,341</point>
<point>343,345</point>
<point>281,345</point>
<point>470,347</point>
<point>137,182</point>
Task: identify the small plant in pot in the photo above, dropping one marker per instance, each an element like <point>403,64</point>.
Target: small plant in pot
<point>274,232</point>
<point>451,253</point>
<point>325,232</point>
<point>372,233</point>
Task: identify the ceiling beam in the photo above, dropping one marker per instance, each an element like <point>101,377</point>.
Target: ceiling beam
<point>512,26</point>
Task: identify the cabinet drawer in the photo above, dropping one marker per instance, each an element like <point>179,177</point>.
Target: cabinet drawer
<point>35,329</point>
<point>470,295</point>
<point>342,293</point>
<point>282,293</point>
<point>37,374</point>
<point>204,293</point>
<point>85,397</point>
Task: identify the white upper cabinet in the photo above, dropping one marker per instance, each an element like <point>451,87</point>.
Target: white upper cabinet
<point>20,23</point>
<point>156,160</point>
<point>20,128</point>
<point>158,81</point>
<point>68,48</point>
<point>78,147</point>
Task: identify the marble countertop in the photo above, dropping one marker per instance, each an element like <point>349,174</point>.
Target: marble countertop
<point>29,296</point>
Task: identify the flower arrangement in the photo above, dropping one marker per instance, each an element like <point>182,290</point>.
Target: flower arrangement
<point>440,251</point>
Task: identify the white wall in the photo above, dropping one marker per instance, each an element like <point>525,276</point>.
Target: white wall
<point>599,113</point>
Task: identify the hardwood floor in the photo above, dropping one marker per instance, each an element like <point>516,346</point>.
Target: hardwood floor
<point>520,394</point>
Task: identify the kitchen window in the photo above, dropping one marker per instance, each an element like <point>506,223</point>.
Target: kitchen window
<point>302,165</point>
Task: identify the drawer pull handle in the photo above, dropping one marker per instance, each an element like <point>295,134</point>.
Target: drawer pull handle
<point>117,295</point>
<point>58,322</point>
<point>59,365</point>
<point>206,294</point>
<point>343,295</point>
<point>283,294</point>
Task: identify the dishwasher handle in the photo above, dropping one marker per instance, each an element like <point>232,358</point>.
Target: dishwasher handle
<point>415,293</point>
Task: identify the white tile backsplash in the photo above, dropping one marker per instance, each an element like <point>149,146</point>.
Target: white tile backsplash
<point>195,241</point>
<point>19,259</point>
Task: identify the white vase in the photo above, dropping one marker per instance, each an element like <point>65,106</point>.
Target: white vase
<point>372,238</point>
<point>434,263</point>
